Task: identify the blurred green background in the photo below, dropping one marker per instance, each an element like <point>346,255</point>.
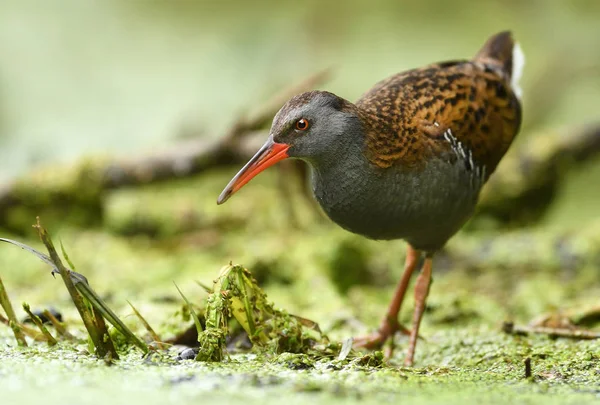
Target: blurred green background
<point>85,78</point>
<point>124,76</point>
<point>128,77</point>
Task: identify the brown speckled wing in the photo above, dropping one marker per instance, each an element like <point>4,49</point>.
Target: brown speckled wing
<point>430,111</point>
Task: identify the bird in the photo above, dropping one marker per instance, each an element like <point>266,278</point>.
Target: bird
<point>406,161</point>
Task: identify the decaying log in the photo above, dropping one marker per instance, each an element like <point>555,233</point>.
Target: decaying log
<point>75,191</point>
<point>518,193</point>
<point>571,333</point>
<point>189,158</point>
<point>529,176</point>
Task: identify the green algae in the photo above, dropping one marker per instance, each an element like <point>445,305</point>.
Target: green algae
<point>481,279</point>
<point>466,366</point>
<point>236,294</point>
<point>144,238</point>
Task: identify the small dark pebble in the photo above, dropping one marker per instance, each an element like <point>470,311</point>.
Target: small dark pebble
<point>40,314</point>
<point>187,354</point>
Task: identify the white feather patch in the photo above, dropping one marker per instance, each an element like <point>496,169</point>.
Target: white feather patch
<point>518,62</point>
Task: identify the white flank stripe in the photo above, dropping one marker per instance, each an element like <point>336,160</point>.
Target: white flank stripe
<point>518,61</point>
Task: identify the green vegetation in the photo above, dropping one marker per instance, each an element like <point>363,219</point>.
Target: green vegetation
<point>128,77</point>
<point>485,278</point>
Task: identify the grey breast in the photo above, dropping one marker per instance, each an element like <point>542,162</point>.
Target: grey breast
<point>425,206</point>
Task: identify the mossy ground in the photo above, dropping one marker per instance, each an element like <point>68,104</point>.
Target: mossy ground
<point>466,366</point>
<point>174,232</point>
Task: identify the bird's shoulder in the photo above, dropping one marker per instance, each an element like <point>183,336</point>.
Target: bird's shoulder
<point>458,109</point>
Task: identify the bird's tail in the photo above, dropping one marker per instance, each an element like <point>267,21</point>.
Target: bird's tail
<point>502,52</point>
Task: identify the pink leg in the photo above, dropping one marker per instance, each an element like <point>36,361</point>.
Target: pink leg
<point>421,292</point>
<point>390,325</point>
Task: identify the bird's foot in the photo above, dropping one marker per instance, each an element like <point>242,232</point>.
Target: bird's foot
<point>386,331</point>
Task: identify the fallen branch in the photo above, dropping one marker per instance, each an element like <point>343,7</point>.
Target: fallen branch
<point>519,192</point>
<point>196,156</point>
<point>81,187</point>
<point>572,333</point>
<point>529,177</point>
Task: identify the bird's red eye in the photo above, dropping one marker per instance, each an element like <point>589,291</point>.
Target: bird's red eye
<point>302,124</point>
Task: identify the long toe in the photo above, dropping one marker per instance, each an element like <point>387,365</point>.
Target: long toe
<point>372,341</point>
<point>377,339</point>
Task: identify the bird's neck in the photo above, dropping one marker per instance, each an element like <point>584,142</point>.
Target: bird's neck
<point>345,167</point>
<point>344,156</point>
<point>336,179</point>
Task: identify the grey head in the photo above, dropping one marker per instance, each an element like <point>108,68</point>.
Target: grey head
<point>317,127</point>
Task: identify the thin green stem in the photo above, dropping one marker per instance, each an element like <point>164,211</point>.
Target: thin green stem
<point>10,313</point>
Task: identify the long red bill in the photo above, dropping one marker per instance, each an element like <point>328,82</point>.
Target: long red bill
<point>270,153</point>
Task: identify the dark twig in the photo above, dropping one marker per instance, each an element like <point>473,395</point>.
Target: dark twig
<point>572,333</point>
<point>528,178</point>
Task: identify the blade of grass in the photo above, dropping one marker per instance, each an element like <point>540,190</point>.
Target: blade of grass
<point>96,314</point>
<point>60,328</point>
<point>29,332</point>
<point>151,331</point>
<point>76,277</point>
<point>204,287</point>
<point>86,316</point>
<point>12,318</point>
<point>66,256</point>
<point>45,258</point>
<point>81,285</point>
<point>38,322</point>
<point>191,309</point>
<point>101,325</point>
<point>110,316</point>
